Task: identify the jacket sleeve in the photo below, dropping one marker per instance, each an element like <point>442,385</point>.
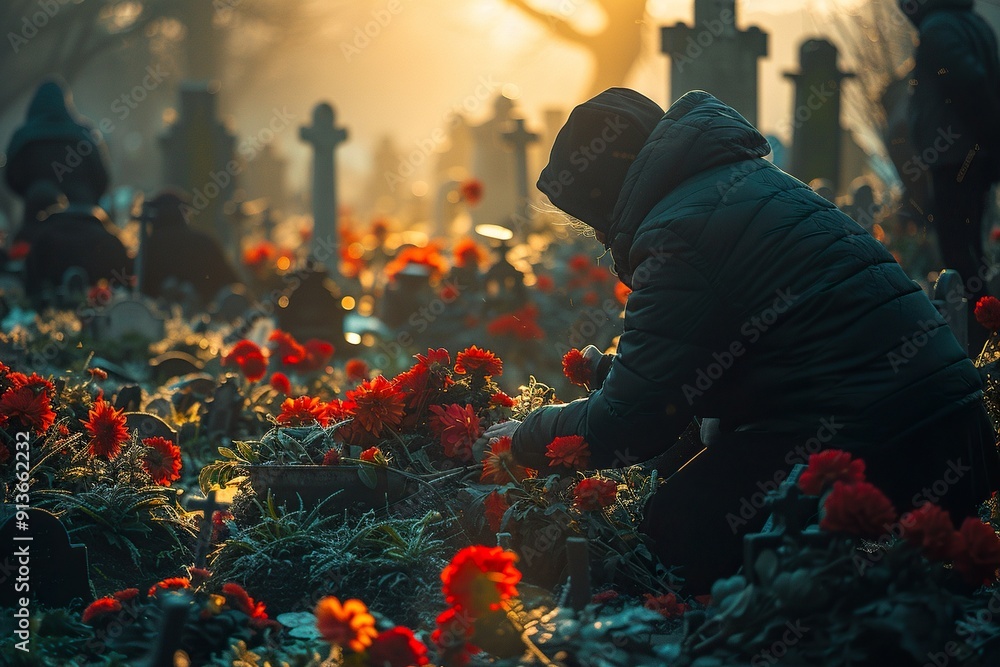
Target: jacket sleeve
<point>649,395</point>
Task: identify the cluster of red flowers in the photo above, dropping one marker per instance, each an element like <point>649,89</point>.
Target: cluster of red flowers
<point>478,580</point>
<point>988,313</point>
<point>856,507</point>
<point>577,369</point>
<point>521,324</point>
<point>667,606</point>
<point>469,253</point>
<point>594,493</point>
<point>429,257</point>
<point>26,401</point>
<point>252,359</point>
<point>351,626</point>
<point>162,460</point>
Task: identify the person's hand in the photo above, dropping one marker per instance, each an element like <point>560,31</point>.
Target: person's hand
<point>480,446</point>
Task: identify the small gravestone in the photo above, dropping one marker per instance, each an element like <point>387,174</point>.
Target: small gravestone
<point>175,364</point>
<point>578,560</point>
<point>208,506</point>
<point>149,426</point>
<point>131,317</point>
<point>324,136</point>
<point>224,409</point>
<point>519,139</point>
<point>129,398</point>
<point>37,561</point>
<point>75,283</point>
<point>112,368</point>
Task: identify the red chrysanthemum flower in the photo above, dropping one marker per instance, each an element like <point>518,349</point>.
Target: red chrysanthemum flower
<point>577,369</point>
<point>499,466</point>
<point>107,429</point>
<point>373,455</point>
<point>317,354</point>
<point>33,381</point>
<point>237,598</point>
<point>458,428</point>
<point>99,609</point>
<point>979,556</point>
<point>99,295</point>
<point>481,363</point>
<point>988,312</point>
<point>469,253</point>
<point>29,407</point>
<point>929,528</point>
<point>496,506</point>
<point>280,383</point>
<point>502,400</point>
<point>254,367</point>
<point>303,411</point>
<point>455,627</point>
<point>356,369</point>
<point>594,493</point>
<point>240,351</point>
<point>332,457</point>
<point>348,625</point>
<point>859,509</point>
<point>621,292</point>
<point>471,191</point>
<point>827,467</point>
<point>126,595</point>
<point>162,460</point>
<point>286,348</point>
<point>568,451</point>
<point>521,324</point>
<point>397,648</point>
<point>667,606</point>
<point>480,578</point>
<point>435,361</point>
<point>377,405</point>
<point>170,584</point>
<point>338,410</point>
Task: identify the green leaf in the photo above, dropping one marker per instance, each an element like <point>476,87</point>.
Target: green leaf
<point>368,476</point>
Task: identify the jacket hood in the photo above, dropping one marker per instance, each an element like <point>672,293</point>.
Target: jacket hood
<point>917,10</point>
<point>698,133</point>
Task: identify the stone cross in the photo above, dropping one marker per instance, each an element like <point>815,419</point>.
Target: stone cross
<point>324,137</point>
<point>519,138</point>
<point>817,131</point>
<point>713,55</point>
<point>579,572</point>
<point>209,506</point>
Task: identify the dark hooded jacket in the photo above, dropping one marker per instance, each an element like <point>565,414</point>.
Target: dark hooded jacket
<point>757,302</point>
<point>955,85</point>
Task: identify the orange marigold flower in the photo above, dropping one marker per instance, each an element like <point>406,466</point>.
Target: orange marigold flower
<point>397,648</point>
<point>348,625</point>
<point>331,458</point>
<point>667,606</point>
<point>170,584</point>
<point>569,451</point>
<point>280,383</point>
<point>475,361</point>
<point>496,506</point>
<point>356,370</point>
<point>502,400</point>
<point>469,253</point>
<point>988,312</point>
<point>979,556</point>
<point>858,509</point>
<point>471,191</point>
<point>480,578</point>
<point>373,455</point>
<point>29,407</point>
<point>99,608</point>
<point>576,368</point>
<point>377,405</point>
<point>827,467</point>
<point>303,411</point>
<point>929,528</point>
<point>162,460</point>
<point>499,466</point>
<point>458,428</point>
<point>107,429</point>
<point>429,257</point>
<point>594,493</point>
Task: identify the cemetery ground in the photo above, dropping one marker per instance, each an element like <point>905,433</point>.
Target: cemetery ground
<point>221,491</point>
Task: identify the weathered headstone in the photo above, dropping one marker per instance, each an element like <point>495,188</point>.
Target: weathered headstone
<point>231,303</point>
<point>130,317</point>
<point>129,398</point>
<point>578,560</point>
<point>505,288</point>
<point>817,134</point>
<point>519,139</point>
<point>494,164</point>
<point>324,136</point>
<point>175,364</point>
<point>75,284</point>
<point>314,309</point>
<point>223,410</point>
<point>40,563</point>
<point>149,426</point>
<point>715,56</point>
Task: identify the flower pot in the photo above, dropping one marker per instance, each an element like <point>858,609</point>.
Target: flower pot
<point>356,488</point>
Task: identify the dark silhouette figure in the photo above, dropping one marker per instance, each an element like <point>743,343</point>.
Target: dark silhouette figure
<point>175,250</point>
<point>954,105</point>
<point>57,151</point>
<point>762,309</point>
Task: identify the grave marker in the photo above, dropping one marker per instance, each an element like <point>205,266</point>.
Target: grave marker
<point>324,137</point>
<point>208,505</point>
<point>519,139</point>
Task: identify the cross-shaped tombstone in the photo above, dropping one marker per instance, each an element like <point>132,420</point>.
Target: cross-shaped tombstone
<point>324,137</point>
<point>209,506</point>
<point>519,138</point>
<point>579,572</point>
